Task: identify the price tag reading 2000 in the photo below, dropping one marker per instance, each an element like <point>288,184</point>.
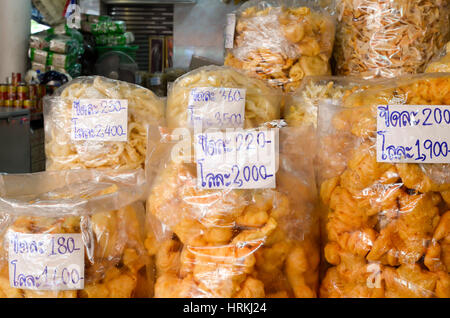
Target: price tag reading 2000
<point>413,133</point>
<point>46,261</point>
<point>100,120</point>
<point>244,159</point>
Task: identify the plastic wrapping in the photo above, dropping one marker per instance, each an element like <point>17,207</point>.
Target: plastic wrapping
<point>262,103</point>
<point>62,153</point>
<point>386,224</point>
<point>442,62</point>
<point>66,45</point>
<point>39,40</point>
<point>378,38</point>
<point>38,56</point>
<point>233,242</point>
<point>104,207</point>
<point>282,41</point>
<point>301,107</point>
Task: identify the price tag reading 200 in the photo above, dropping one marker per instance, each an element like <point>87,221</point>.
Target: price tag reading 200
<point>100,120</point>
<point>46,261</point>
<point>243,159</point>
<point>413,133</point>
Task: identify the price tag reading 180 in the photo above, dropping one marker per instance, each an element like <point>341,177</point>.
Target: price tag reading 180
<point>216,107</point>
<point>245,159</point>
<point>413,133</point>
<point>46,261</point>
<point>100,120</point>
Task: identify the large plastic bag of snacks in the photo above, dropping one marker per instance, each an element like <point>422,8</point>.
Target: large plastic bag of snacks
<point>95,122</point>
<point>385,189</point>
<point>442,62</point>
<point>227,90</point>
<point>301,106</point>
<point>379,38</point>
<point>235,241</point>
<point>74,233</point>
<point>282,41</point>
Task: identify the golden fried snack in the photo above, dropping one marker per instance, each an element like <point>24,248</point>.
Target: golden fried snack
<point>377,38</point>
<point>386,224</point>
<point>233,242</point>
<point>281,43</point>
<point>442,64</point>
<point>144,107</point>
<point>262,103</point>
<point>116,262</point>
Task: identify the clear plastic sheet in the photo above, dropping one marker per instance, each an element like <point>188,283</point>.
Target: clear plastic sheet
<point>262,103</point>
<point>282,41</point>
<point>144,107</point>
<point>386,225</point>
<point>379,38</point>
<point>105,206</point>
<point>234,243</point>
<point>441,64</point>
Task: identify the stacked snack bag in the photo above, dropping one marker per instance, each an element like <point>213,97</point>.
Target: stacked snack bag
<point>111,33</point>
<point>57,49</point>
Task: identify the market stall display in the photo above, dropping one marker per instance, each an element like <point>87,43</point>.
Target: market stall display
<point>282,41</point>
<point>73,234</point>
<point>442,63</point>
<point>63,152</point>
<point>377,38</point>
<point>262,103</point>
<point>230,242</point>
<point>386,223</point>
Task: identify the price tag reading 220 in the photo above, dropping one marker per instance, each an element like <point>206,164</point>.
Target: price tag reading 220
<point>100,120</point>
<point>413,133</point>
<point>245,159</point>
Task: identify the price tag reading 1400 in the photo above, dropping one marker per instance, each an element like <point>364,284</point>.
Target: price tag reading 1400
<point>46,261</point>
<point>100,120</point>
<point>413,134</point>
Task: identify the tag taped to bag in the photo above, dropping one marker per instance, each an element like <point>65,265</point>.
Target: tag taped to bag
<point>413,133</point>
<point>216,107</point>
<point>229,30</point>
<point>244,159</point>
<point>46,261</point>
<point>100,120</point>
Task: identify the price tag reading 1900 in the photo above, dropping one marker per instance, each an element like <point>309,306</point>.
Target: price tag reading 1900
<point>245,159</point>
<point>216,107</point>
<point>413,133</point>
<point>46,261</point>
<point>100,120</point>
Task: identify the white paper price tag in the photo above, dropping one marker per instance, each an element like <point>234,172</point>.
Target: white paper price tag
<point>100,120</point>
<point>229,30</point>
<point>413,134</point>
<point>216,107</point>
<point>245,159</point>
<point>46,261</point>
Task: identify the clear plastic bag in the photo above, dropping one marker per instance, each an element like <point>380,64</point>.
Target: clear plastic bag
<point>262,103</point>
<point>282,41</point>
<point>234,242</point>
<point>62,152</point>
<point>441,64</point>
<point>104,207</point>
<point>386,224</point>
<point>378,38</point>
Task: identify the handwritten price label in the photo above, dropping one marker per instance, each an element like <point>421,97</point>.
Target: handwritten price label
<point>46,261</point>
<point>413,134</point>
<point>100,120</point>
<point>214,107</point>
<point>245,159</point>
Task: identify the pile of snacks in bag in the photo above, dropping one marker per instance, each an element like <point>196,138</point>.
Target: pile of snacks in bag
<point>378,38</point>
<point>386,222</point>
<point>232,241</point>
<point>78,233</point>
<point>282,41</point>
<point>63,152</point>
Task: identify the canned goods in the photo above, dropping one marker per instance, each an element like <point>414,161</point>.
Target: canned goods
<point>2,102</point>
<point>22,92</point>
<point>3,91</point>
<point>18,103</point>
<point>27,104</point>
<point>16,78</point>
<point>8,103</point>
<point>12,91</point>
<point>33,91</point>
